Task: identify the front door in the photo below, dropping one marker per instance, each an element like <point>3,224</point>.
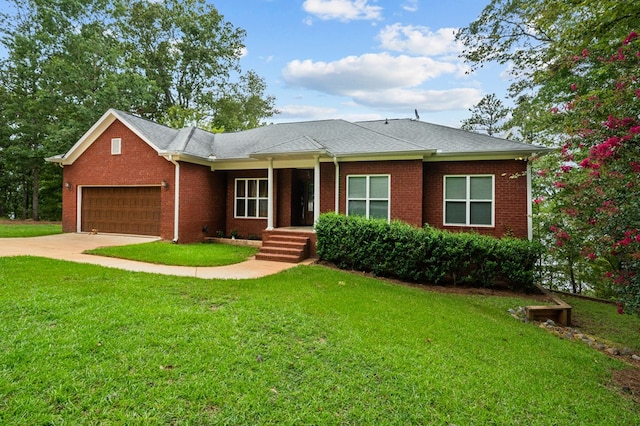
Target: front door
<point>303,198</point>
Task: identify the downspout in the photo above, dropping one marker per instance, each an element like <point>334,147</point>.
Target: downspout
<point>337,184</point>
<point>176,202</point>
<point>529,202</point>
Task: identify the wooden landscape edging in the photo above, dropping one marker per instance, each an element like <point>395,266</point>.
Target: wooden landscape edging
<point>560,312</point>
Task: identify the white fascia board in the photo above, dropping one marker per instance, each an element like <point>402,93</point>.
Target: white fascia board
<point>93,133</point>
<point>476,156</point>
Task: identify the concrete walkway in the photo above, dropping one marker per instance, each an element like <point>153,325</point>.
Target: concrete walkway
<point>70,247</point>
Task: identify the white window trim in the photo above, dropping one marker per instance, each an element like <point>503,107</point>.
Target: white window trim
<point>246,198</point>
<point>116,146</point>
<point>468,201</point>
<point>367,199</point>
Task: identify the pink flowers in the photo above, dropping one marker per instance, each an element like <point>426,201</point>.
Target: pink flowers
<point>632,36</point>
<point>538,200</point>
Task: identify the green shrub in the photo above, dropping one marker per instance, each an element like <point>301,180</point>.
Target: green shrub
<point>426,255</point>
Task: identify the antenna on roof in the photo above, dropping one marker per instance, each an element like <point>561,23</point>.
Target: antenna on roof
<point>416,112</point>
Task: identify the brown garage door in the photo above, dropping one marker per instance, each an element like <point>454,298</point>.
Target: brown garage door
<point>127,210</point>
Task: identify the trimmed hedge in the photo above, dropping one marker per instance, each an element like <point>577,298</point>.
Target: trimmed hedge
<point>427,255</point>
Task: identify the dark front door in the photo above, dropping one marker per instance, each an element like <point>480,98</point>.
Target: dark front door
<point>303,198</point>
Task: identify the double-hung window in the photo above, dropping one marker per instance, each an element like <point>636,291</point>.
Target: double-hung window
<point>251,198</point>
<point>368,196</point>
<point>468,200</point>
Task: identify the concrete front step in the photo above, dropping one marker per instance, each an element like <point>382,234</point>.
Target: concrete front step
<point>284,248</point>
<point>279,258</point>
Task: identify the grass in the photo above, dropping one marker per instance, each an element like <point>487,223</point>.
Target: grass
<point>9,229</point>
<point>601,319</point>
<point>82,344</point>
<point>166,253</point>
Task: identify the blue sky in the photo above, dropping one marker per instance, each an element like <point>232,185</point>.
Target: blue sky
<point>363,59</point>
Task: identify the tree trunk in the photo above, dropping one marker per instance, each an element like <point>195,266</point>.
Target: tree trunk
<point>572,277</point>
<point>25,200</point>
<point>35,198</point>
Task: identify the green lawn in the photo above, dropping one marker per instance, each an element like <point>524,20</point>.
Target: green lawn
<point>19,230</point>
<point>166,253</point>
<point>601,319</point>
<point>82,344</point>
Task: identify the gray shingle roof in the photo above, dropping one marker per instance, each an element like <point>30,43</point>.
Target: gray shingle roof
<point>157,134</point>
<point>337,137</point>
<point>331,137</point>
<point>446,140</point>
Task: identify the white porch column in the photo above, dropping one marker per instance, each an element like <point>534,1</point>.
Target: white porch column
<point>270,196</point>
<point>316,190</point>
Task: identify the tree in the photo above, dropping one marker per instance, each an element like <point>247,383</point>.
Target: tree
<point>574,89</point>
<point>192,55</point>
<point>67,62</point>
<point>537,39</point>
<point>599,181</point>
<point>487,116</point>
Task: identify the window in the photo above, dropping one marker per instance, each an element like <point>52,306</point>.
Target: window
<point>251,198</point>
<point>116,146</point>
<point>368,196</point>
<point>468,200</point>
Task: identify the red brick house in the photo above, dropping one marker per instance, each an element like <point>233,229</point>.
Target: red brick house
<point>130,175</point>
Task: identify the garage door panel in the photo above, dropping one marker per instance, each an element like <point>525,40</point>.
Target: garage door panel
<point>124,210</point>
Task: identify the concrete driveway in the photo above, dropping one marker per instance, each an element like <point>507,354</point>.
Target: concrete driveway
<point>70,247</point>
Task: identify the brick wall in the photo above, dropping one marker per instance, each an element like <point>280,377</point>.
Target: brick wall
<point>202,202</point>
<point>250,227</point>
<point>137,165</point>
<point>283,196</point>
<point>327,188</point>
<point>406,187</point>
<point>510,194</point>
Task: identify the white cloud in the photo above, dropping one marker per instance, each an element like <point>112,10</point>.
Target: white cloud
<point>343,10</point>
<point>368,72</point>
<point>419,40</point>
<point>307,112</point>
<point>424,100</point>
<point>410,5</point>
<point>383,81</point>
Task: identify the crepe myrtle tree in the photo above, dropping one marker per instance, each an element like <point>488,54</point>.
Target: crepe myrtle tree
<point>596,179</point>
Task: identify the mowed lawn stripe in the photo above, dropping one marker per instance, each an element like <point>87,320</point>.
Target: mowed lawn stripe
<point>311,345</point>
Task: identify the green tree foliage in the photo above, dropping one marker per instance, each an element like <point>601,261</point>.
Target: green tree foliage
<point>67,62</point>
<point>599,180</point>
<point>575,71</point>
<point>537,39</point>
<point>487,116</point>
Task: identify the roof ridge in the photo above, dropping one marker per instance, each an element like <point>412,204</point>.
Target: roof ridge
<point>390,136</point>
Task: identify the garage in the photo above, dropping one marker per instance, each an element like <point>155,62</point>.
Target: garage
<point>121,210</point>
